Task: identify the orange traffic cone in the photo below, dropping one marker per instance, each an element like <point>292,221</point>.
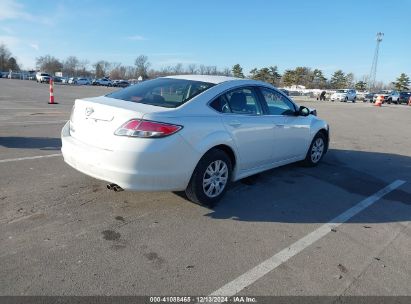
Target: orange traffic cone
<point>51,92</point>
<point>409,101</point>
<point>379,100</point>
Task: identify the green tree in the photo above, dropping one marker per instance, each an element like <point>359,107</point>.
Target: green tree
<point>402,82</point>
<point>269,75</point>
<point>338,80</point>
<point>319,81</point>
<point>288,78</point>
<point>303,76</point>
<point>361,85</point>
<point>237,71</point>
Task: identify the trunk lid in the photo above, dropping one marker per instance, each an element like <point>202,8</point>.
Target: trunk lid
<point>94,120</point>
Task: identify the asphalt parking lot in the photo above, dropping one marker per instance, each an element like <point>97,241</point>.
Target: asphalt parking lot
<point>63,233</point>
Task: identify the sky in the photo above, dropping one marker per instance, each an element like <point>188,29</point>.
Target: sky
<point>328,35</point>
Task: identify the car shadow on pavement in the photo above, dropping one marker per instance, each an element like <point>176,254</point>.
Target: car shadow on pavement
<point>294,194</point>
<point>42,143</point>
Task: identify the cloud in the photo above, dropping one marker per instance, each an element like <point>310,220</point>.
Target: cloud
<point>136,38</point>
<point>10,41</point>
<point>34,46</point>
<point>10,9</point>
<point>6,30</point>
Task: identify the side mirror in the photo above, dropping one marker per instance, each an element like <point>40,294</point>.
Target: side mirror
<point>304,111</point>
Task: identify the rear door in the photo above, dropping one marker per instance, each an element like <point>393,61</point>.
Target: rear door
<point>253,133</point>
<point>292,132</point>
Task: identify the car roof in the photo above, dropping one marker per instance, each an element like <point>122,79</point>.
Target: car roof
<point>205,78</point>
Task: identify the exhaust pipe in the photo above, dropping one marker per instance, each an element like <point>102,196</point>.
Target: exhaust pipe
<point>117,188</point>
<point>114,187</point>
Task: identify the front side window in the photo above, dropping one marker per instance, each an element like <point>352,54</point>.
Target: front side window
<point>162,92</point>
<point>277,103</point>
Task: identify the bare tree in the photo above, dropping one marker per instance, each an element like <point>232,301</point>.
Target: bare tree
<point>178,69</point>
<point>49,64</point>
<point>130,72</point>
<point>4,57</point>
<point>142,64</point>
<point>226,72</point>
<point>202,69</point>
<point>70,65</point>
<point>102,68</point>
<point>192,69</point>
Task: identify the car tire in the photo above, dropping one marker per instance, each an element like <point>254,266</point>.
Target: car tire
<point>317,150</point>
<point>355,99</point>
<point>346,99</point>
<point>389,101</point>
<point>214,168</point>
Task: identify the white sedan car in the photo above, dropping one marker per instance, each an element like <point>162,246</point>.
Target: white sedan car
<point>344,95</point>
<point>193,133</point>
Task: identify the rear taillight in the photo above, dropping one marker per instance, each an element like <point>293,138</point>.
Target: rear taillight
<point>147,129</point>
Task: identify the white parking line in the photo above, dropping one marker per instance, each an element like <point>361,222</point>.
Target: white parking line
<point>28,158</point>
<point>251,276</point>
<point>27,123</point>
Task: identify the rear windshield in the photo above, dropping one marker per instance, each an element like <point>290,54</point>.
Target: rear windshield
<point>162,92</point>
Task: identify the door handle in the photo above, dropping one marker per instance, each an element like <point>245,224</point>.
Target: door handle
<point>235,123</point>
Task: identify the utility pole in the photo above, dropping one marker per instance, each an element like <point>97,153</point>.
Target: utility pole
<point>373,72</point>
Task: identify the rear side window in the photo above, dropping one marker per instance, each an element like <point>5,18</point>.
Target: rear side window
<point>220,104</point>
<point>162,92</point>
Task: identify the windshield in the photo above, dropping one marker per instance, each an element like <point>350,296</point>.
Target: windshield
<point>342,91</point>
<point>383,92</point>
<point>162,92</point>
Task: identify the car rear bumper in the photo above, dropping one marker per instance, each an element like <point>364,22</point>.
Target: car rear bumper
<point>165,167</point>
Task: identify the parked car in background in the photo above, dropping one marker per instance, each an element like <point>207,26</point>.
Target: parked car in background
<point>361,95</point>
<point>191,133</point>
<point>64,80</point>
<point>369,97</point>
<point>57,79</point>
<point>286,92</point>
<point>382,93</point>
<point>43,77</point>
<point>72,80</point>
<point>393,97</point>
<point>121,83</point>
<point>82,81</point>
<point>344,95</point>
<point>103,82</point>
<point>404,97</point>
